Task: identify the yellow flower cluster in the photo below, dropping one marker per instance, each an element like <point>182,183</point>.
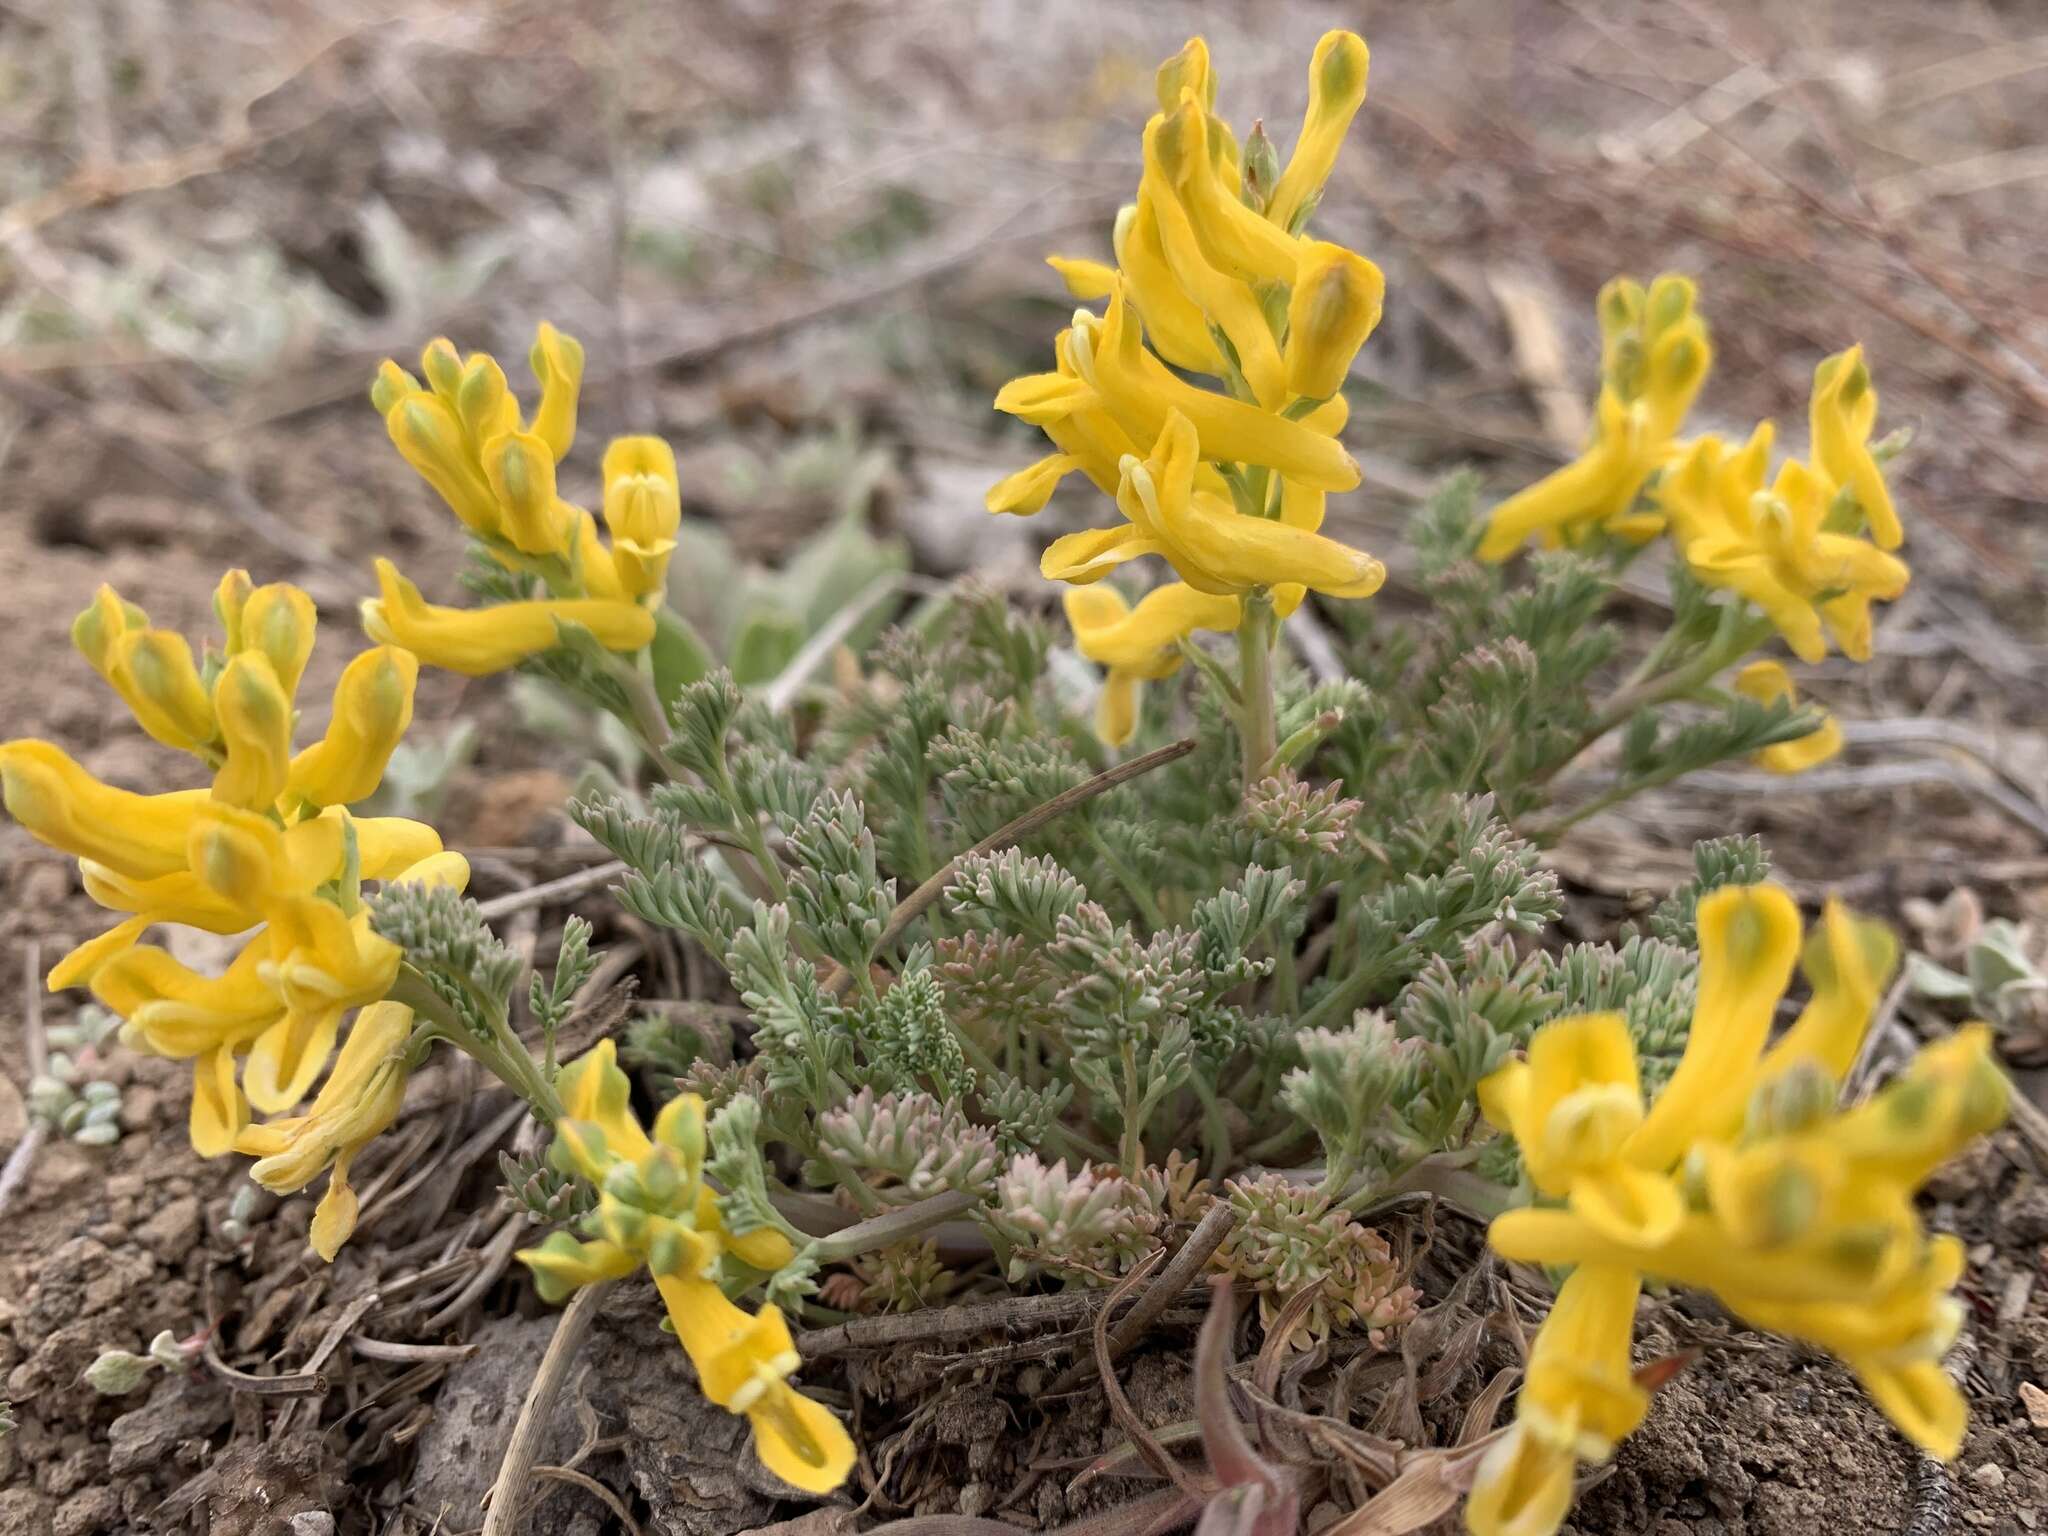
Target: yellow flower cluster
<point>1213,276</point>
<point>1743,1178</point>
<point>465,434</point>
<point>654,1209</point>
<point>1810,546</point>
<point>268,850</point>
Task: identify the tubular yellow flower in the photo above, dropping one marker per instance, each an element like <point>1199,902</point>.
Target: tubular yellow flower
<point>1773,548</point>
<point>1138,644</point>
<point>1029,489</point>
<point>744,1364</point>
<point>1842,414</point>
<point>179,1014</point>
<point>480,641</point>
<point>277,621</point>
<point>557,361</point>
<point>247,861</point>
<point>1141,393</point>
<point>1749,942</point>
<point>1336,90</point>
<point>1334,307</point>
<point>372,709</point>
<point>426,431</point>
<point>358,1102</point>
<point>66,808</point>
<point>643,509</point>
<point>521,474</point>
<point>1579,1401</point>
<point>1086,280</point>
<point>1215,548</point>
<point>255,715</point>
<point>153,671</point>
<point>1656,358</point>
<point>322,962</point>
<point>483,401</point>
<point>1174,321</point>
<point>1175,144</point>
<point>1767,682</point>
<point>654,1209</point>
<point>1572,1108</point>
<point>1847,961</point>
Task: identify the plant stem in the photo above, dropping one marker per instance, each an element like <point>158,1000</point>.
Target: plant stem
<point>1255,685</point>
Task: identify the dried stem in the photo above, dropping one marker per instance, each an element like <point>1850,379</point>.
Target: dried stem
<point>536,1414</point>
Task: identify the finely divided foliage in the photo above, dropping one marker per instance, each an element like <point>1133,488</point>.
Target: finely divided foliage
<point>998,978</point>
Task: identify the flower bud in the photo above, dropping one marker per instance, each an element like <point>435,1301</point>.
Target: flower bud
<point>522,477</point>
<point>391,385</point>
<point>230,597</point>
<point>1334,307</point>
<point>372,708</point>
<point>95,631</point>
<point>483,401</point>
<point>643,507</point>
<point>442,365</point>
<point>1336,89</point>
<point>557,361</point>
<point>1261,167</point>
<point>277,622</point>
<point>152,670</point>
<point>255,718</point>
<point>426,432</point>
<point>1187,70</point>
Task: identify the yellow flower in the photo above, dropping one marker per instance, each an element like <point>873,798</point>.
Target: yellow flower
<point>463,434</point>
<point>1748,943</point>
<point>1773,548</point>
<point>1138,644</point>
<point>1336,90</point>
<point>1841,416</point>
<point>557,361</point>
<point>1579,1401</point>
<point>151,669</point>
<point>643,509</point>
<point>654,1209</point>
<point>1176,148</point>
<point>1798,1216</point>
<point>521,474</point>
<point>1767,682</point>
<point>255,716</point>
<point>430,437</point>
<point>178,1013</point>
<point>1656,358</point>
<point>479,641</point>
<point>322,963</point>
<point>66,808</point>
<point>276,621</point>
<point>744,1364</point>
<point>357,1103</point>
<point>372,709</point>
<point>1334,307</point>
<point>1572,1108</point>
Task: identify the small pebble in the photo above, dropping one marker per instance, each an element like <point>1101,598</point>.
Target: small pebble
<point>1989,1476</point>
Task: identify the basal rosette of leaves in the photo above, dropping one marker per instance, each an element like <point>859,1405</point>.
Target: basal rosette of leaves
<point>1041,971</point>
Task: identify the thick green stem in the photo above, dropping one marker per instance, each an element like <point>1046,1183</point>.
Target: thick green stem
<point>1255,685</point>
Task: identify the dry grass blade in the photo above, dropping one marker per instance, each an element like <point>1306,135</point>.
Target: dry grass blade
<point>536,1414</point>
<point>1427,1489</point>
<point>35,1052</point>
<point>596,1489</point>
<point>1120,1408</point>
<point>1273,1353</point>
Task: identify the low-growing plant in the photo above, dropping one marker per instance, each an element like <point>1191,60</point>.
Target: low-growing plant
<point>1077,971</point>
